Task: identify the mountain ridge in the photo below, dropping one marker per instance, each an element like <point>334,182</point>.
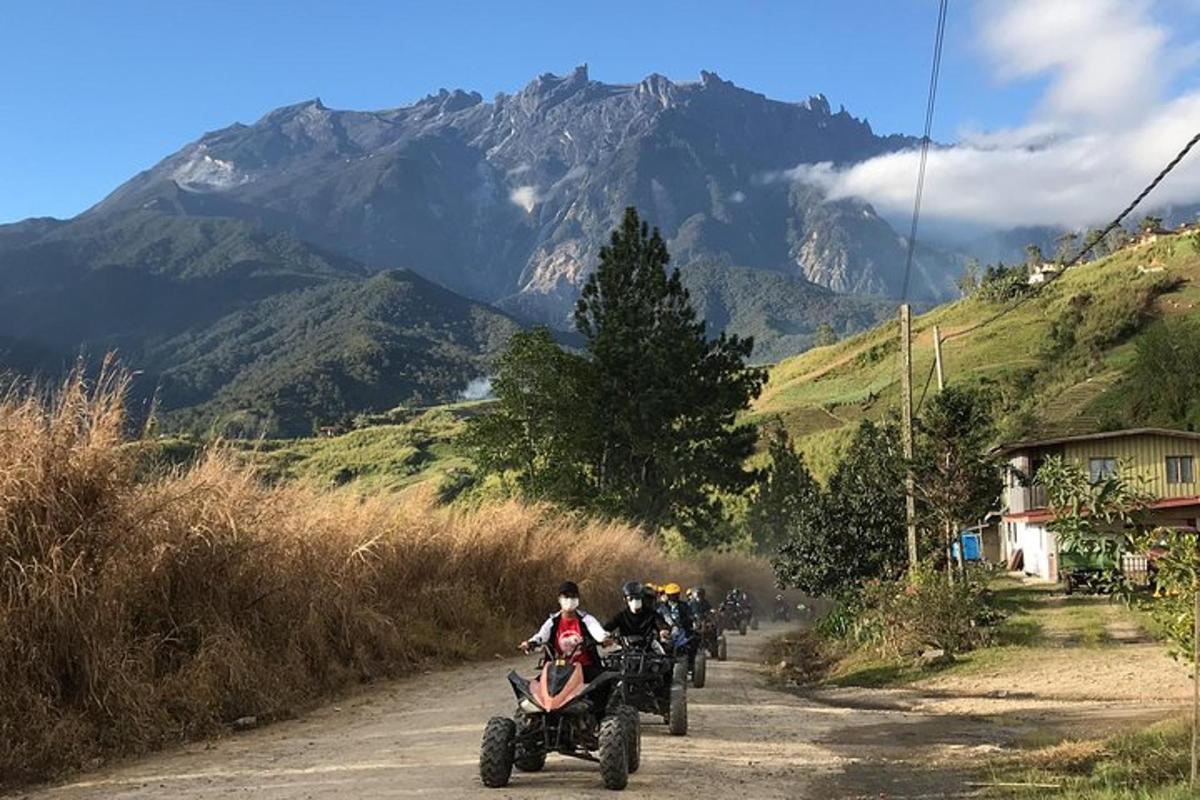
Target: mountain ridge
<point>507,201</point>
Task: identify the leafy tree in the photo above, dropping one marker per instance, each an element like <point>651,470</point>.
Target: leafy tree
<point>856,531</point>
<point>956,479</point>
<point>1034,255</point>
<point>538,435</point>
<point>643,426</point>
<point>665,396</point>
<point>1068,243</point>
<point>785,494</point>
<point>1092,518</point>
<point>1150,224</point>
<point>971,277</point>
<point>825,335</point>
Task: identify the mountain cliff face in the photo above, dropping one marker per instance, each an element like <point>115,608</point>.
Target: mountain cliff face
<point>508,201</point>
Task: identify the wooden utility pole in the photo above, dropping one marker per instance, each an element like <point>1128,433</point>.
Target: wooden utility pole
<point>1195,687</point>
<point>910,505</point>
<point>937,356</point>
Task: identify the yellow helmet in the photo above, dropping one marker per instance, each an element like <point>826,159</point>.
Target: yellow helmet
<point>651,585</point>
<point>671,588</point>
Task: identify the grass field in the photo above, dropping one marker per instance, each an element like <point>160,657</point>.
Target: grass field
<point>1042,387</point>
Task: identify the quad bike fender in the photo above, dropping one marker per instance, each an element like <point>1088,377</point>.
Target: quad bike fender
<point>520,686</point>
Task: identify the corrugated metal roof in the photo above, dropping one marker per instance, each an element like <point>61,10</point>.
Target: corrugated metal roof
<point>1088,437</point>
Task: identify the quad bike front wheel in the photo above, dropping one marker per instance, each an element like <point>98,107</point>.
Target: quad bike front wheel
<point>633,736</point>
<point>700,670</point>
<point>754,623</point>
<point>496,752</point>
<point>613,756</point>
<point>722,648</point>
<point>742,628</point>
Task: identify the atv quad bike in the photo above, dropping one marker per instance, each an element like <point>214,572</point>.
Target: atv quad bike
<point>712,639</point>
<point>557,713</point>
<point>652,681</point>
<point>735,616</point>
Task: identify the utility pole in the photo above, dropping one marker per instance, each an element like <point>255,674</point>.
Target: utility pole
<point>910,506</point>
<point>937,355</point>
<point>1195,687</point>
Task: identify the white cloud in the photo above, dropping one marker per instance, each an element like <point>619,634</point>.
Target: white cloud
<point>526,197</point>
<point>737,197</point>
<point>477,389</point>
<point>1102,129</point>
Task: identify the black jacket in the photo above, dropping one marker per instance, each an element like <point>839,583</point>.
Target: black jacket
<point>646,622</point>
<point>682,613</point>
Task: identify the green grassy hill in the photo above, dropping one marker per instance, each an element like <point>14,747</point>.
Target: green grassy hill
<point>1055,364</point>
<point>393,451</point>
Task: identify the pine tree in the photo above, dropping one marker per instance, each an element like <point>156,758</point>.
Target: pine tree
<point>666,397</point>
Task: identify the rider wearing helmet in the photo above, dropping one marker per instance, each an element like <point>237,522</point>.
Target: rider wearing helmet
<point>638,618</point>
<point>571,632</point>
<point>682,624</point>
<point>699,605</point>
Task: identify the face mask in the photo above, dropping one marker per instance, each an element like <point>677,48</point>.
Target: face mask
<point>635,604</point>
<point>568,603</point>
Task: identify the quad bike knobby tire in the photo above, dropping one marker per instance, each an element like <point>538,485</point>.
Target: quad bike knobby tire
<point>722,648</point>
<point>614,759</point>
<point>754,624</point>
<point>633,736</point>
<point>496,752</point>
<point>742,628</point>
<point>677,720</point>
<point>700,670</point>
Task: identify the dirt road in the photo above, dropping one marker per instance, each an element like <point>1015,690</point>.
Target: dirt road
<point>420,738</point>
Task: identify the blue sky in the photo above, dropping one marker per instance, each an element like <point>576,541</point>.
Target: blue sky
<point>90,93</point>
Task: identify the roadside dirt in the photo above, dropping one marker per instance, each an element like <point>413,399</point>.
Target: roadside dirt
<point>420,737</point>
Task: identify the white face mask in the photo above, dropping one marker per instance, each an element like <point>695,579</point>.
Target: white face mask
<point>635,604</point>
<point>568,603</point>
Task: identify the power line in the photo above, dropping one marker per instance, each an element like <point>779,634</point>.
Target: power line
<point>934,71</point>
<point>1088,245</point>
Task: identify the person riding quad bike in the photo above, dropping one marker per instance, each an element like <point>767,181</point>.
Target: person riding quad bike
<point>637,618</point>
<point>566,708</point>
<point>684,640</point>
<point>783,611</point>
<point>652,678</point>
<point>735,611</point>
<point>707,623</point>
<point>699,604</point>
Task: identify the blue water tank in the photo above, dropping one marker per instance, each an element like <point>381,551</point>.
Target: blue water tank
<point>972,545</point>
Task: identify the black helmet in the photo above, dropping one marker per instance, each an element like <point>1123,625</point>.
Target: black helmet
<point>633,589</point>
<point>699,591</point>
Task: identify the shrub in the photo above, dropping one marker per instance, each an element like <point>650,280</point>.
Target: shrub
<point>904,617</point>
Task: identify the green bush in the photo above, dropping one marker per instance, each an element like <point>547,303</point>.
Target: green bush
<point>907,616</point>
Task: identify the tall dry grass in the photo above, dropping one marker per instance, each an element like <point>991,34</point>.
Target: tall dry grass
<point>134,614</point>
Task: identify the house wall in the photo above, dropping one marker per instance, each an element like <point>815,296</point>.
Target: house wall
<point>1144,456</point>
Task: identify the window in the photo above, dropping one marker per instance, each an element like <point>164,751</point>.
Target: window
<point>1102,468</point>
<point>1181,469</point>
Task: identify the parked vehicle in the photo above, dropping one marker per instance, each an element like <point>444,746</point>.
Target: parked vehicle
<point>557,712</point>
<point>1088,573</point>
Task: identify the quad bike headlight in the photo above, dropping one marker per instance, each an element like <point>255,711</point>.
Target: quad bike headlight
<point>529,706</point>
